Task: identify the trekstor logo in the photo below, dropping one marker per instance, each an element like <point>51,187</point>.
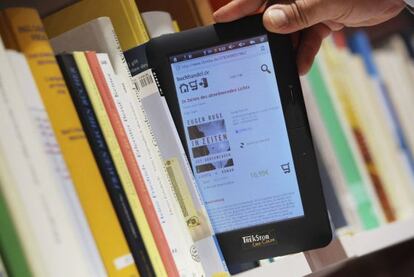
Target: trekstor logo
<point>259,240</point>
<point>255,238</point>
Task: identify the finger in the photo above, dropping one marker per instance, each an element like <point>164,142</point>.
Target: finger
<point>296,40</point>
<point>334,26</point>
<point>309,46</point>
<point>292,16</point>
<point>237,9</point>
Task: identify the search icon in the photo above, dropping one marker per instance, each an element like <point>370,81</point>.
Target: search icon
<point>265,68</point>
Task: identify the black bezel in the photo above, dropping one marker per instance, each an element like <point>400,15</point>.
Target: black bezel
<point>294,235</point>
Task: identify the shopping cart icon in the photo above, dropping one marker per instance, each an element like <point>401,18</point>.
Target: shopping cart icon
<point>285,168</point>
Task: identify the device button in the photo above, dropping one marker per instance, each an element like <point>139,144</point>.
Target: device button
<point>292,95</point>
<point>296,112</point>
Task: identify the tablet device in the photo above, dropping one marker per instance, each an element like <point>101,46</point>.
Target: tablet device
<point>235,96</point>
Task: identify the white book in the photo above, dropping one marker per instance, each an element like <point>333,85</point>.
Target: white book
<point>40,119</point>
<point>402,76</point>
<point>158,23</point>
<point>98,35</point>
<point>48,216</point>
<point>17,209</point>
<point>8,188</point>
<point>399,85</point>
<point>178,167</point>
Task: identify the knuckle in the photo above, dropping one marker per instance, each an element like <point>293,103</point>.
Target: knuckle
<point>298,9</point>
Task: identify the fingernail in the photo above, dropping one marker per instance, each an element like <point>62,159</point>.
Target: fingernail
<point>277,18</point>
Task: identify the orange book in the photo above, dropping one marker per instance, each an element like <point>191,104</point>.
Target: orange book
<point>22,29</point>
<point>132,165</point>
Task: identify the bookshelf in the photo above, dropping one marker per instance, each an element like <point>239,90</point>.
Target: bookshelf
<point>188,13</point>
<point>346,248</point>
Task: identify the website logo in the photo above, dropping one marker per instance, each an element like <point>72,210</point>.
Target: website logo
<point>194,85</point>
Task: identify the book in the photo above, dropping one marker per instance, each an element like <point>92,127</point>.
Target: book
<point>107,153</point>
<point>335,59</point>
<point>333,181</point>
<point>107,83</point>
<point>8,188</point>
<point>48,212</point>
<point>388,140</point>
<point>77,85</point>
<point>404,81</point>
<point>124,15</point>
<point>13,256</point>
<point>359,44</point>
<point>158,23</point>
<point>25,27</point>
<point>146,151</point>
<point>39,118</point>
<point>179,171</point>
<point>3,272</point>
<point>380,140</point>
<point>354,181</point>
<point>101,38</point>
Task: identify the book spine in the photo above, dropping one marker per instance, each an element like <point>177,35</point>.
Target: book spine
<point>71,70</point>
<point>136,165</point>
<point>51,148</point>
<point>102,69</point>
<point>49,216</point>
<point>130,7</point>
<point>11,250</point>
<point>179,171</point>
<point>331,176</point>
<point>343,85</point>
<point>178,236</point>
<point>116,163</point>
<point>27,29</point>
<point>342,149</point>
<point>146,150</point>
<point>360,44</point>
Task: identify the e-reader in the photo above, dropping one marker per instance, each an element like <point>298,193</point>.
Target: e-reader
<point>235,96</point>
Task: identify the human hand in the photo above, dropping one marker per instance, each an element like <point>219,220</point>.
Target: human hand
<point>317,19</point>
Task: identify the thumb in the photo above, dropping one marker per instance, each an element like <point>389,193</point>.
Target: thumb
<point>296,15</point>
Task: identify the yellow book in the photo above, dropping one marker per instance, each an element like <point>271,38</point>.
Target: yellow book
<point>124,15</point>
<point>176,26</point>
<point>25,27</point>
<point>91,84</point>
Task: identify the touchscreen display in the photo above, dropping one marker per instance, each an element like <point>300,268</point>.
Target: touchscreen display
<point>236,134</point>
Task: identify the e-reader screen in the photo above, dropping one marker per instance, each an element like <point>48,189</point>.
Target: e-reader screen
<point>236,134</point>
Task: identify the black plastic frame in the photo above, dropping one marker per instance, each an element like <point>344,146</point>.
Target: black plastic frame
<point>295,235</point>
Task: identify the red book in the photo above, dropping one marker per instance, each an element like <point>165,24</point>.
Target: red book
<point>132,165</point>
